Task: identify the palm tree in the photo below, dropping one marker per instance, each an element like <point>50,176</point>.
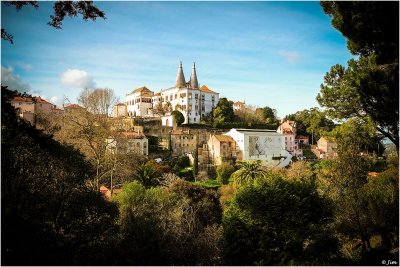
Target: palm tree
<point>249,170</point>
<point>147,175</point>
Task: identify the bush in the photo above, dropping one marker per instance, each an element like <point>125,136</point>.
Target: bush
<point>178,117</point>
<point>178,163</point>
<point>309,154</point>
<point>273,221</point>
<point>224,172</point>
<point>187,174</point>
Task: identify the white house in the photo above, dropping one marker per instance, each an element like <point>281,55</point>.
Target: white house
<point>193,101</point>
<point>139,103</point>
<point>119,110</point>
<point>265,145</point>
<point>187,97</point>
<point>168,121</point>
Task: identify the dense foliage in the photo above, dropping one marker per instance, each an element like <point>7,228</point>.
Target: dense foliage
<point>223,112</point>
<point>178,225</point>
<point>273,221</point>
<point>49,214</point>
<point>369,87</point>
<point>311,122</point>
<point>224,172</point>
<point>178,117</point>
<point>329,212</point>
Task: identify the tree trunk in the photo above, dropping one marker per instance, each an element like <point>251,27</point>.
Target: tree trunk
<point>97,175</point>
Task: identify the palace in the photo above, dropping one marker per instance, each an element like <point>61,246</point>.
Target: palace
<point>189,98</point>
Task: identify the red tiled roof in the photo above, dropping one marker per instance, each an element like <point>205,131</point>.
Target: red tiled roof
<point>22,99</point>
<point>30,99</point>
<point>205,89</point>
<point>41,100</point>
<point>74,106</point>
<point>287,130</point>
<point>133,135</point>
<point>238,103</point>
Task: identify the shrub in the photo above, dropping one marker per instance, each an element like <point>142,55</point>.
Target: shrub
<point>178,116</point>
<point>187,174</point>
<point>274,221</point>
<point>224,172</point>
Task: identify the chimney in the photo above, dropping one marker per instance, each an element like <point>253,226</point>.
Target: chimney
<point>180,78</point>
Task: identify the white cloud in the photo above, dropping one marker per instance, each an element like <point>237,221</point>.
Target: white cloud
<point>291,56</point>
<point>13,81</point>
<point>77,78</point>
<point>24,66</point>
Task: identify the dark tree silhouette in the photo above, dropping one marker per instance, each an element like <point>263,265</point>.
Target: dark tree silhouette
<point>61,10</point>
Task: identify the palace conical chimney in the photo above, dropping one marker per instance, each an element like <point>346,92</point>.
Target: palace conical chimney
<point>180,78</point>
<point>194,84</point>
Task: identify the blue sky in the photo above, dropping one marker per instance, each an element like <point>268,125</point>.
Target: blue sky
<point>266,53</point>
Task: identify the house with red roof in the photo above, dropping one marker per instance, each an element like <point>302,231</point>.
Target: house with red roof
<point>238,105</point>
<point>29,107</point>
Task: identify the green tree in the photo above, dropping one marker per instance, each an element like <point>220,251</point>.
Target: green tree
<point>223,112</point>
<point>369,27</point>
<point>197,240</point>
<point>343,182</point>
<point>196,160</point>
<point>178,117</point>
<point>203,202</point>
<point>248,171</point>
<point>300,170</point>
<point>177,225</point>
<point>147,175</point>
<point>369,86</point>
<point>61,10</point>
<point>382,193</point>
<point>313,122</point>
<point>144,218</point>
<point>224,172</point>
<point>274,221</point>
<point>363,206</point>
<point>267,113</point>
<point>361,133</point>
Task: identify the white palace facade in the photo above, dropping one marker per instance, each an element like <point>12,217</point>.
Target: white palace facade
<point>189,98</point>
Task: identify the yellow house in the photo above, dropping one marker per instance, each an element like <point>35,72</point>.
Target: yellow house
<point>327,147</point>
<point>222,149</point>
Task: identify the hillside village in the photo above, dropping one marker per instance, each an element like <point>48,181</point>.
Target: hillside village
<point>146,114</point>
<point>168,168</point>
